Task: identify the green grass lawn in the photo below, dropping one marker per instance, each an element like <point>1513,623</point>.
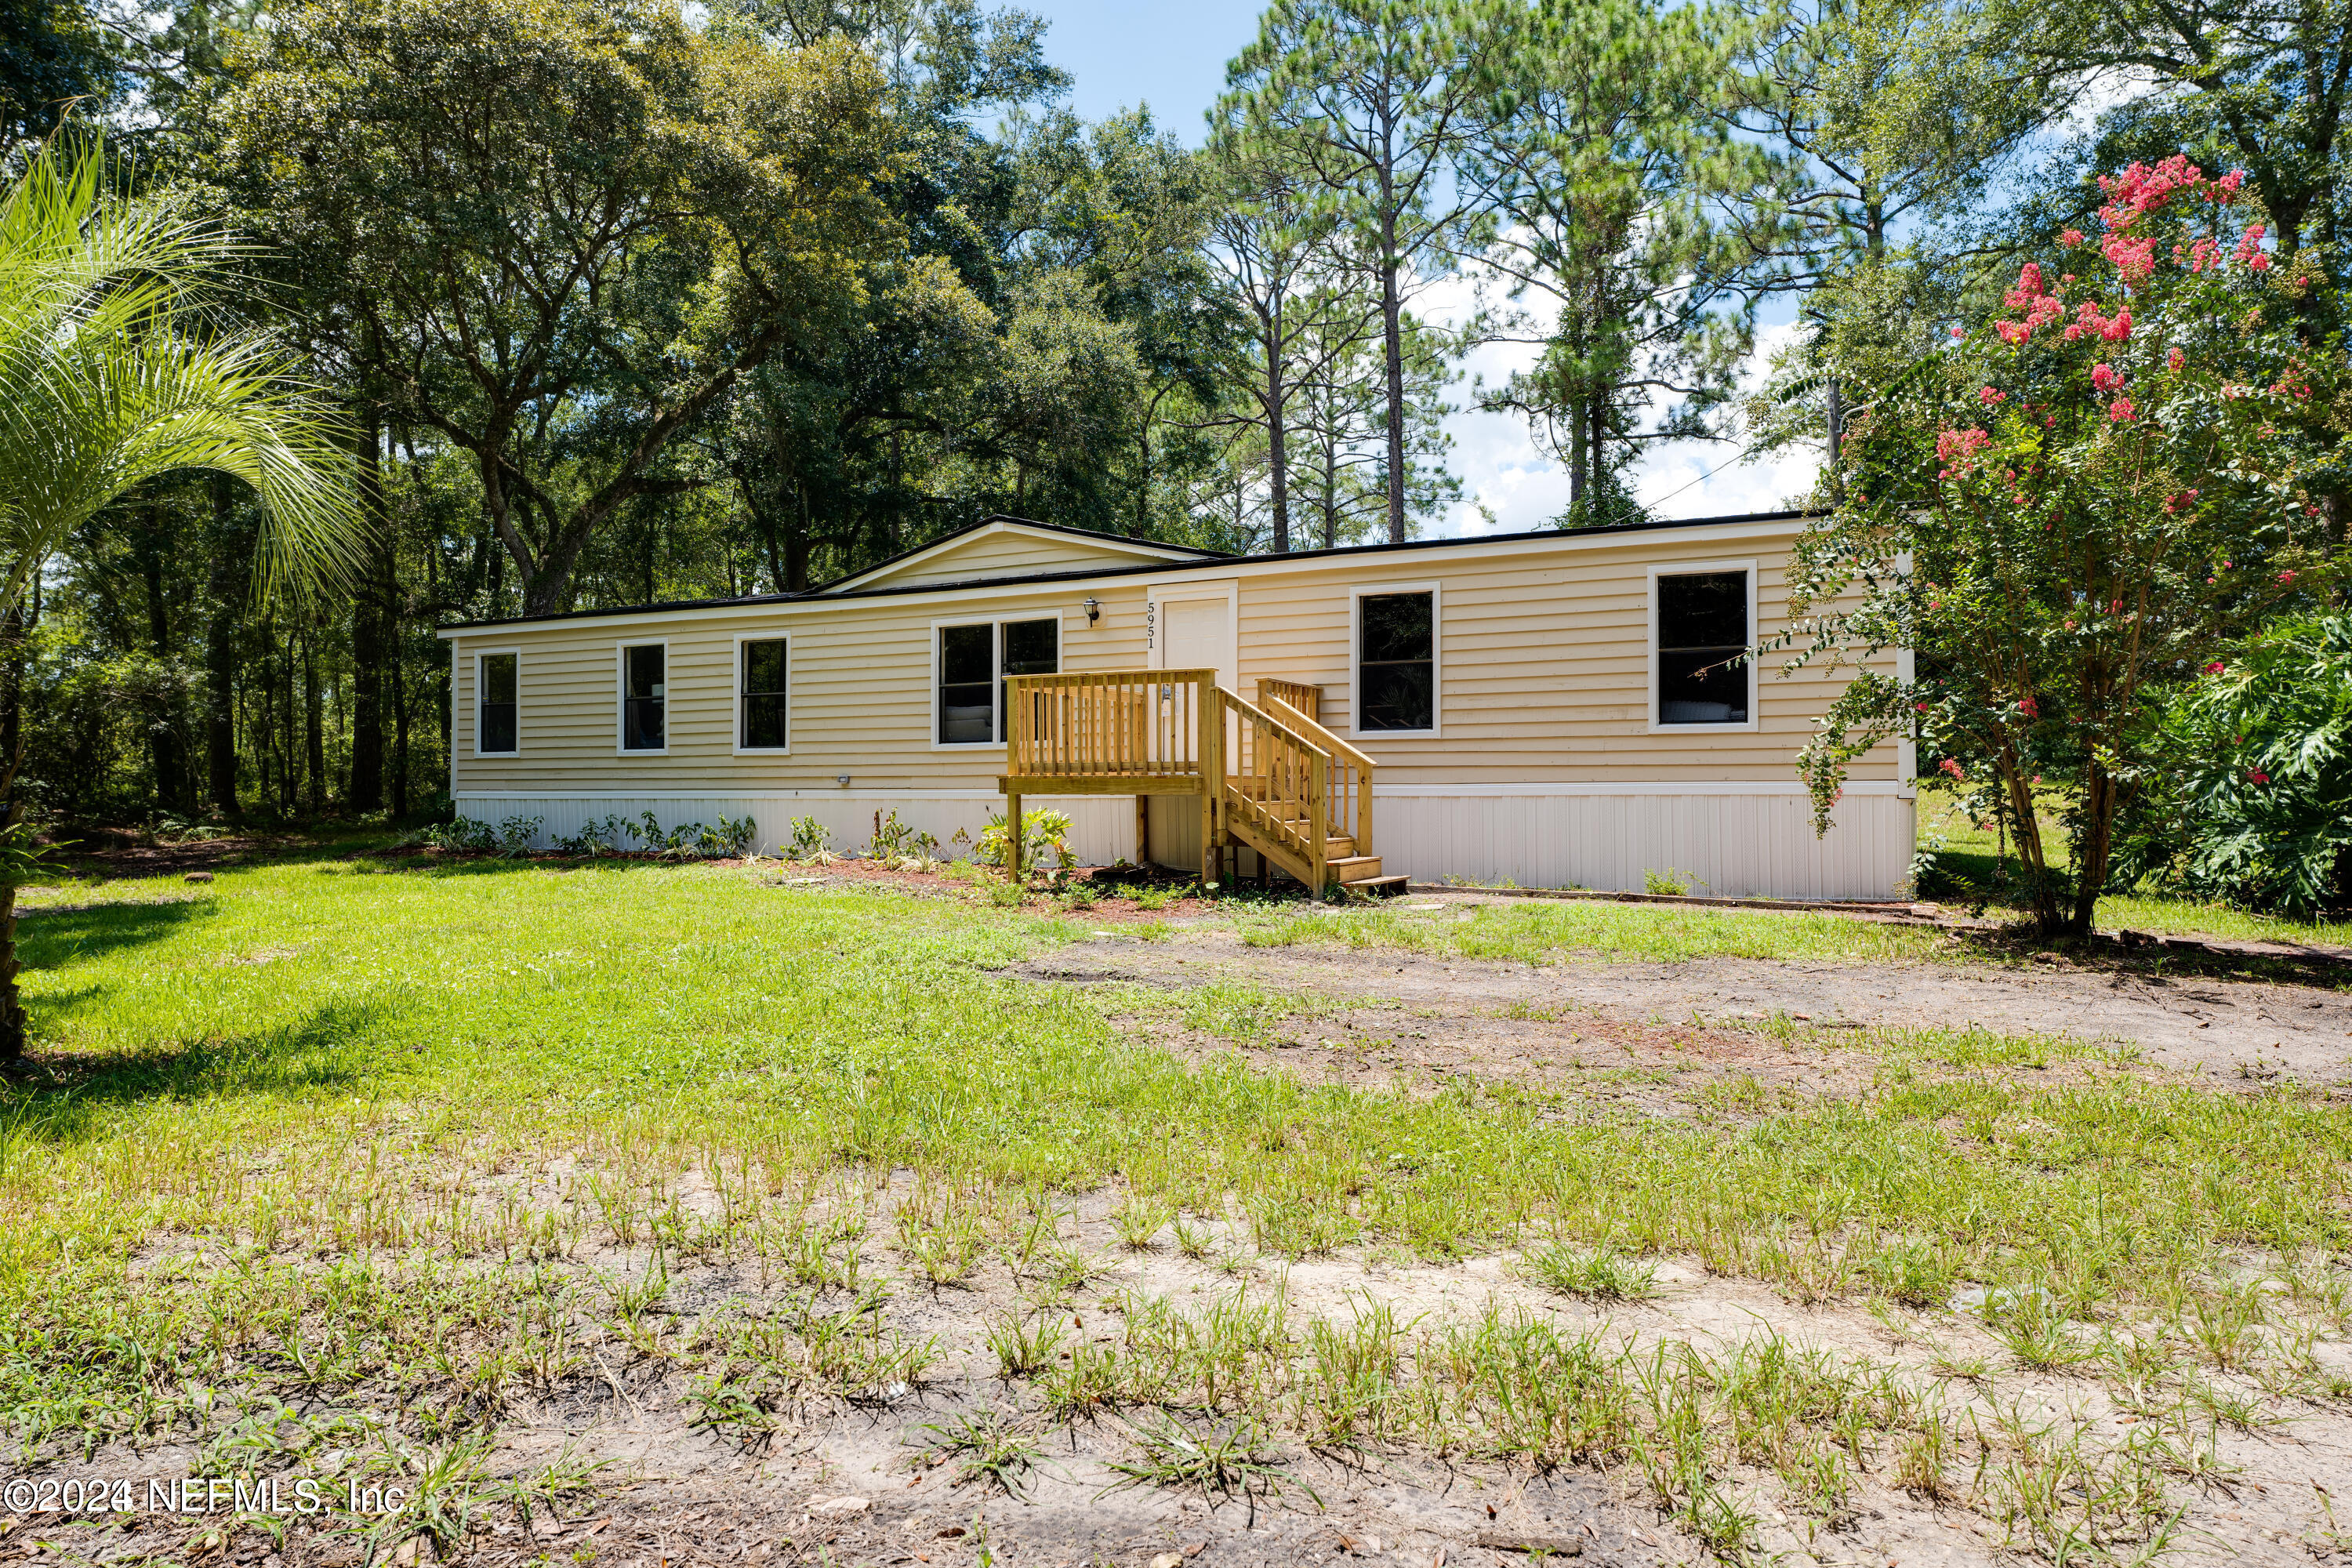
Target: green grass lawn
<point>358,1128</point>
<point>1975,867</point>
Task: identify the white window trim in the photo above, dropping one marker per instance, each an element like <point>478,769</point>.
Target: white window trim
<point>474,700</point>
<point>996,672</point>
<point>621,696</point>
<point>735,683</point>
<point>1700,569</point>
<point>1357,594</point>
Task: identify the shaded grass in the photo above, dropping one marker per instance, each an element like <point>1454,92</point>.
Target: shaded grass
<point>1976,868</point>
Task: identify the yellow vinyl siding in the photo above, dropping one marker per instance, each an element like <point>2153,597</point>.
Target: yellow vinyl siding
<point>1007,554</point>
<point>1543,674</point>
<point>1543,665</point>
<point>860,699</point>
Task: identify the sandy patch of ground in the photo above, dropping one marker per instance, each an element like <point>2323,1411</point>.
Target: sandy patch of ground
<point>2238,1030</point>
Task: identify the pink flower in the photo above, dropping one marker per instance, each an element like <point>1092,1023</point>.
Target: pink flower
<point>1960,333</point>
<point>2012,332</point>
<point>2105,377</point>
<point>2119,328</point>
<point>2027,706</point>
<point>2215,667</point>
<point>2230,182</point>
<point>1989,397</point>
<point>2287,576</point>
<point>2071,237</point>
<point>2174,360</point>
<point>2134,259</point>
<point>1918,707</point>
<point>2258,776</point>
<point>1949,766</point>
<point>2121,410</point>
<point>1957,450</point>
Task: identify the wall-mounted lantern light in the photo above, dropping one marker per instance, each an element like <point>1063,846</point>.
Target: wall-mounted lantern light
<point>1094,609</point>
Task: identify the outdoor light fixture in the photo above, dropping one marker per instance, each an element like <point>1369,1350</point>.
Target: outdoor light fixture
<point>1094,609</point>
<point>841,779</point>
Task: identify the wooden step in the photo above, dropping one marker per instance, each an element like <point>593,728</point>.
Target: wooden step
<point>1381,887</point>
<point>1353,868</point>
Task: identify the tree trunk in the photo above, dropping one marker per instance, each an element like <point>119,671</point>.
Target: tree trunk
<point>399,733</point>
<point>371,608</point>
<point>2096,850</point>
<point>1393,347</point>
<point>1577,467</point>
<point>12,738</point>
<point>226,591</point>
<point>163,748</point>
<point>314,739</point>
<point>1277,449</point>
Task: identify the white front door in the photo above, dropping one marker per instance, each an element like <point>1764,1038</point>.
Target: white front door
<point>1197,633</point>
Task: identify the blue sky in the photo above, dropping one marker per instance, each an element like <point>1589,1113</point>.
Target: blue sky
<point>1172,57</point>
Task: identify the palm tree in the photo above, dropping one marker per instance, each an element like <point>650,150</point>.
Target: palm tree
<point>117,366</point>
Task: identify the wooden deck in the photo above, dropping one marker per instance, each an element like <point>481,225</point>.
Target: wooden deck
<point>1268,775</point>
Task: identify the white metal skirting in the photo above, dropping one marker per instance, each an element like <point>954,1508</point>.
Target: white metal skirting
<point>1727,840</point>
<point>1722,841</point>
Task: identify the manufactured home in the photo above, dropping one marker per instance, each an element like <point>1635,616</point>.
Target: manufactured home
<point>1552,709</point>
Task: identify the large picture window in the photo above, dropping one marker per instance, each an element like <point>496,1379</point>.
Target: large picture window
<point>1396,662</point>
<point>974,661</point>
<point>763,723</point>
<point>498,711</point>
<point>1702,653</point>
<point>645,698</point>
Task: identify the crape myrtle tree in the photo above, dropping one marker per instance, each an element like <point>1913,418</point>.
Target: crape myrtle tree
<point>2072,513</point>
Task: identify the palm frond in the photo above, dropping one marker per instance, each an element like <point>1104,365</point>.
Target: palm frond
<point>111,374</point>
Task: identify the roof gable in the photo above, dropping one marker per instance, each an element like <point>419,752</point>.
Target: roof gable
<point>1013,547</point>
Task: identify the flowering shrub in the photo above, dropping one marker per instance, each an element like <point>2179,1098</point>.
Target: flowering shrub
<point>2069,514</point>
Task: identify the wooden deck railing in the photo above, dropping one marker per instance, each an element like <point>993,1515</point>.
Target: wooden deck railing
<point>1273,767</point>
<point>1115,725</point>
<point>1302,698</point>
<point>1349,790</point>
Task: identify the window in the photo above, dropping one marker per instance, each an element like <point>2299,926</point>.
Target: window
<point>974,661</point>
<point>761,726</point>
<point>496,724</point>
<point>1396,662</point>
<point>1702,657</point>
<point>644,697</point>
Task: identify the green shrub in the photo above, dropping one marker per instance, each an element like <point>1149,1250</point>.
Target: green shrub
<point>1044,842</point>
<point>2258,811</point>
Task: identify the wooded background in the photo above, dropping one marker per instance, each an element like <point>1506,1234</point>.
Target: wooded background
<point>625,306</point>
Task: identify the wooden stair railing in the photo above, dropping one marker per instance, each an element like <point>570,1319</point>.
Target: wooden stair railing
<point>1302,698</point>
<point>1351,786</point>
<point>1277,798</point>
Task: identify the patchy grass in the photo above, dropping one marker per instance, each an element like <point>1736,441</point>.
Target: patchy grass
<point>336,1156</point>
<point>1540,930</point>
